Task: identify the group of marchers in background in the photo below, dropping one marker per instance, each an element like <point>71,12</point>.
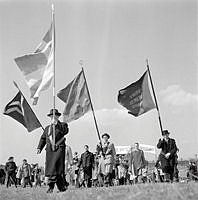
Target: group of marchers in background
<point>99,169</point>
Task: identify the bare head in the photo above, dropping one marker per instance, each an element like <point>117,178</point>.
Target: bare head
<point>136,145</point>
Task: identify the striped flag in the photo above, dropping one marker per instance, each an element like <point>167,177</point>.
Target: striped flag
<point>19,109</point>
<point>76,97</point>
<point>38,66</point>
<point>136,98</point>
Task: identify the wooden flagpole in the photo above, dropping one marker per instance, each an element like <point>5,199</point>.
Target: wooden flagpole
<point>26,100</point>
<point>54,83</point>
<point>155,98</point>
<point>96,125</point>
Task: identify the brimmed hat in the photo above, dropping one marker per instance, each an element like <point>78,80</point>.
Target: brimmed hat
<point>52,112</point>
<point>10,158</point>
<point>106,134</point>
<point>165,132</point>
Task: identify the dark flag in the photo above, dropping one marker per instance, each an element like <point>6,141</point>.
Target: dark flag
<point>20,110</point>
<point>136,98</point>
<point>76,97</point>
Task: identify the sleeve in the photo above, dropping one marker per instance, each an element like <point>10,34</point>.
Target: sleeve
<point>130,158</point>
<point>114,152</point>
<point>42,141</point>
<point>98,149</point>
<point>159,144</point>
<point>92,159</point>
<point>143,160</point>
<point>15,167</point>
<point>64,128</point>
<point>174,149</point>
<point>6,167</point>
<point>80,161</point>
<point>70,155</point>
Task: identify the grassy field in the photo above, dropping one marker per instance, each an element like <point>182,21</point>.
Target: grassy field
<point>158,191</point>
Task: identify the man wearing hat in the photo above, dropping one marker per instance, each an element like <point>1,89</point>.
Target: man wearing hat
<point>10,169</point>
<point>55,154</point>
<point>167,155</point>
<point>107,153</point>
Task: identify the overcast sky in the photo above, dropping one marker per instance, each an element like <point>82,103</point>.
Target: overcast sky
<point>114,38</point>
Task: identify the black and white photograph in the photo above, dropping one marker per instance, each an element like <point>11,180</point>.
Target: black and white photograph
<point>99,99</point>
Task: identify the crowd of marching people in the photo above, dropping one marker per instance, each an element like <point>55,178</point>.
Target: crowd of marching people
<point>85,170</point>
<point>23,175</point>
<point>103,168</point>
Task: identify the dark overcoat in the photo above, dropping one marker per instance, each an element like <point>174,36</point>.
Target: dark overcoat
<point>87,163</point>
<point>55,160</point>
<point>167,147</point>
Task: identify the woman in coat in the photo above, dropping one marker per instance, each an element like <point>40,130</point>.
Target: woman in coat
<point>107,159</point>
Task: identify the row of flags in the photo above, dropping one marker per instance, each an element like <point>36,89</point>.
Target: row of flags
<point>38,70</point>
<point>136,98</point>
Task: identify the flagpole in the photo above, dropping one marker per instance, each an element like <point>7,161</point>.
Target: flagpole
<point>96,125</point>
<point>54,82</point>
<point>155,98</point>
<point>26,100</point>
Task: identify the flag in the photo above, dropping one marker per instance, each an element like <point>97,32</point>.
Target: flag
<point>76,97</point>
<point>38,66</point>
<point>20,110</point>
<point>136,97</point>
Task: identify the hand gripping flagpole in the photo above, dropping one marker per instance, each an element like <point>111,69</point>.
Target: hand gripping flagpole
<point>54,99</point>
<point>155,98</point>
<point>98,133</point>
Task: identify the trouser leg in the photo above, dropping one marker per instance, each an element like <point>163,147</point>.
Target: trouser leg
<point>88,182</point>
<point>60,182</point>
<point>8,181</point>
<point>51,182</point>
<point>29,181</point>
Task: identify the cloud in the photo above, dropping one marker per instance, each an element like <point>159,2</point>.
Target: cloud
<point>174,95</point>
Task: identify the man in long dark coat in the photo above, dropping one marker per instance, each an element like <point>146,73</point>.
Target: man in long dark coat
<point>87,163</point>
<point>167,156</point>
<point>136,162</point>
<point>55,155</point>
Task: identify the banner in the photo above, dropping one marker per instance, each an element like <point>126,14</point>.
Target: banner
<point>19,109</point>
<point>136,98</point>
<point>38,66</point>
<point>76,98</point>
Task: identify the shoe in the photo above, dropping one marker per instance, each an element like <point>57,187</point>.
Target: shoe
<point>50,190</point>
<point>62,190</point>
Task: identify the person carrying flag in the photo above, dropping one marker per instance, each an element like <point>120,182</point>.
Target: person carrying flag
<point>55,155</point>
<point>167,155</point>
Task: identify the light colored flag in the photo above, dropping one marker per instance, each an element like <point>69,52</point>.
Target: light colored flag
<point>38,66</point>
<point>19,109</point>
<point>136,97</point>
<point>76,97</point>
